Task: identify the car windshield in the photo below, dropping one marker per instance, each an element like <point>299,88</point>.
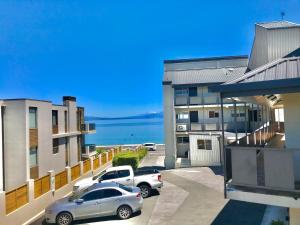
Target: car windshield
<point>77,195</point>
<point>126,188</point>
<point>99,175</point>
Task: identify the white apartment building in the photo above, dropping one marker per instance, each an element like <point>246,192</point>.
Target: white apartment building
<point>264,166</point>
<point>193,119</point>
<point>37,137</point>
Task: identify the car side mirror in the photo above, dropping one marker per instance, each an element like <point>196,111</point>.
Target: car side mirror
<point>79,201</point>
<point>100,179</point>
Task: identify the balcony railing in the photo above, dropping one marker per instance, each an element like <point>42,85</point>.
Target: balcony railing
<point>265,169</point>
<point>88,127</point>
<point>88,150</point>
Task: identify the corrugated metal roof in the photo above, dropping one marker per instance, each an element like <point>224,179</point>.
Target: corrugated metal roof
<point>219,75</point>
<point>278,24</point>
<point>284,68</point>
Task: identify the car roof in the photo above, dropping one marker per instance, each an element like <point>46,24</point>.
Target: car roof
<point>118,168</point>
<point>103,185</point>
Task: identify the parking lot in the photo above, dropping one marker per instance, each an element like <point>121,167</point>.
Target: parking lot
<point>189,196</point>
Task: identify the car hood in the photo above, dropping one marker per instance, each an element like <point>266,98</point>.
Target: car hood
<point>59,202</point>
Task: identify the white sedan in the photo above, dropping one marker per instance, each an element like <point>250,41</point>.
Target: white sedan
<point>150,146</point>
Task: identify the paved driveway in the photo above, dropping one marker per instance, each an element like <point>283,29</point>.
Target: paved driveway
<point>190,196</point>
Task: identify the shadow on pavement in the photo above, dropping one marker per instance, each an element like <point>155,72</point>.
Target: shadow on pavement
<point>97,219</point>
<point>240,213</point>
<point>218,170</point>
<point>160,168</point>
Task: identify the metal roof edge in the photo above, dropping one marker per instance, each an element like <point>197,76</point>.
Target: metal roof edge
<point>167,61</point>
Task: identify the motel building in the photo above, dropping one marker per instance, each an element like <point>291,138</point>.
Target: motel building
<point>261,164</point>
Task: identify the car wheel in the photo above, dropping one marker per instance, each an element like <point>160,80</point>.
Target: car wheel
<point>64,218</point>
<point>124,212</point>
<point>145,190</point>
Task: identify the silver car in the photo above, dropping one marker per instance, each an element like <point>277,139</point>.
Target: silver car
<point>101,199</point>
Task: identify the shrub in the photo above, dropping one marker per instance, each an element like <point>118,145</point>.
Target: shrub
<point>127,158</point>
<point>131,158</point>
<point>101,150</point>
<point>278,222</point>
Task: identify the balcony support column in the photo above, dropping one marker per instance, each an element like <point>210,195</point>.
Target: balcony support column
<point>235,121</point>
<point>223,146</point>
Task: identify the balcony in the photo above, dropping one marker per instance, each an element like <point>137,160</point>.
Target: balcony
<point>88,150</point>
<point>264,170</point>
<point>88,128</point>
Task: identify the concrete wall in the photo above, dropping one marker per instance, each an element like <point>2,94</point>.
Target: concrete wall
<point>169,126</point>
<point>16,141</point>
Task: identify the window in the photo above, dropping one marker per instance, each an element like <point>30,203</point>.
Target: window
<point>54,118</point>
<point>32,117</point>
<point>55,145</point>
<point>213,114</point>
<point>182,116</point>
<point>110,175</point>
<point>193,91</point>
<point>33,157</point>
<point>181,91</point>
<point>204,144</point>
<point>108,193</point>
<point>194,116</point>
<point>66,121</point>
<point>183,140</point>
<point>93,195</point>
<point>123,173</point>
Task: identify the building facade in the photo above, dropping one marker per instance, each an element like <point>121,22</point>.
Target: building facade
<point>193,120</point>
<point>263,167</point>
<point>37,137</point>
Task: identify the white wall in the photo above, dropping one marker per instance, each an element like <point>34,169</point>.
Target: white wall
<point>16,139</point>
<point>1,151</point>
<point>169,126</point>
<point>292,119</point>
<point>205,157</point>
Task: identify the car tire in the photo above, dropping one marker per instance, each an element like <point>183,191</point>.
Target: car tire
<point>145,190</point>
<point>124,212</point>
<point>64,218</point>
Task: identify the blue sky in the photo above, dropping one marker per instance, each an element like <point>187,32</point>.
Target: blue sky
<point>109,54</point>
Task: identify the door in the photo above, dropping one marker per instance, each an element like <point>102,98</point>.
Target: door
<point>90,206</point>
<point>124,178</point>
<point>109,176</point>
<point>110,202</point>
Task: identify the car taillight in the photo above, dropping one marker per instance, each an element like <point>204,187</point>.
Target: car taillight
<point>159,177</point>
<point>138,195</point>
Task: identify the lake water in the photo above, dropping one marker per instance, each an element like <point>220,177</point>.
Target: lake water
<point>133,131</point>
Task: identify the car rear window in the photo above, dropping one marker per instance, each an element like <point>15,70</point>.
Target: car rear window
<point>148,144</point>
<point>123,173</point>
<point>126,188</point>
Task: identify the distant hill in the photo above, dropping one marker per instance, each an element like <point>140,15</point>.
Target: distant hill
<point>140,116</point>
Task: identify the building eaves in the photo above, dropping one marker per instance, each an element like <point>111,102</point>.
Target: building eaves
<point>25,99</point>
<point>278,25</point>
<point>204,59</point>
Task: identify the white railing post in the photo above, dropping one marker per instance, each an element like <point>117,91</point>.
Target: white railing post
<point>52,180</point>
<point>69,175</point>
<point>30,186</point>
<point>2,204</point>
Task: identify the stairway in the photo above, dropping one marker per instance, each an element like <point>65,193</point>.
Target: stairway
<point>183,163</point>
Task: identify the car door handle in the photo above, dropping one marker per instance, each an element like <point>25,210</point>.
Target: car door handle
<point>128,180</point>
<point>98,203</point>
